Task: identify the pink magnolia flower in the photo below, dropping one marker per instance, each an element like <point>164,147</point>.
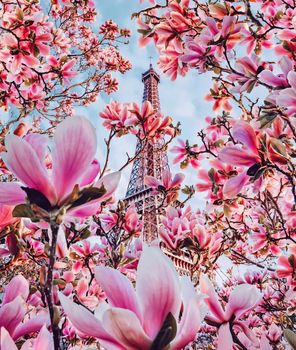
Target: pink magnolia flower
<point>169,185</point>
<point>243,298</point>
<point>43,341</point>
<point>245,156</point>
<point>287,97</point>
<point>13,310</point>
<point>186,154</point>
<point>74,148</point>
<point>133,318</point>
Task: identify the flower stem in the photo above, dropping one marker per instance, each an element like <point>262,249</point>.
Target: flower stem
<point>48,285</point>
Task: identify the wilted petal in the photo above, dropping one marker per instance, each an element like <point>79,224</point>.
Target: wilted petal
<point>158,289</point>
<point>118,289</point>
<point>125,327</point>
<point>207,288</point>
<point>17,286</point>
<point>224,337</point>
<point>234,185</point>
<point>236,156</point>
<point>75,145</point>
<point>243,298</point>
<point>6,342</point>
<point>22,160</point>
<point>194,310</point>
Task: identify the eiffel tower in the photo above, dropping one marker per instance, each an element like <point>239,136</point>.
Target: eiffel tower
<point>152,161</point>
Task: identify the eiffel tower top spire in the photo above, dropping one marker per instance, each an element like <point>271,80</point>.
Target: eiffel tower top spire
<point>151,80</point>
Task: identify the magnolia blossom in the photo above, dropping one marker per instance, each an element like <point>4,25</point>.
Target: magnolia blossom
<point>74,149</point>
<point>13,310</point>
<point>243,298</point>
<point>132,319</point>
<point>42,342</point>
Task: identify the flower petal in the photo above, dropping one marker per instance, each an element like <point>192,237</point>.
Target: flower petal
<point>22,160</point>
<point>11,314</point>
<point>194,310</point>
<point>75,145</point>
<point>17,286</point>
<point>31,326</point>
<point>236,156</point>
<point>225,341</point>
<point>118,289</point>
<point>86,322</point>
<point>206,287</point>
<point>126,328</point>
<point>243,298</point>
<point>11,193</point>
<point>110,182</point>
<point>44,341</point>
<point>234,185</point>
<point>244,133</point>
<point>6,342</point>
<point>158,289</point>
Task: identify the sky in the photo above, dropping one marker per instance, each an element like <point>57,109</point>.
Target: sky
<point>182,99</point>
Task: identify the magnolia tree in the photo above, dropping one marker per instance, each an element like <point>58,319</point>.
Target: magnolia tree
<point>75,273</point>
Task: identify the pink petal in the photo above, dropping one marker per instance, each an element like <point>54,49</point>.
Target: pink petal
<point>11,314</point>
<point>6,342</point>
<point>234,185</point>
<point>17,286</point>
<point>194,310</point>
<point>90,174</point>
<point>177,180</point>
<point>31,326</point>
<point>44,341</point>
<point>11,193</point>
<point>292,79</point>
<point>224,338</point>
<point>39,144</point>
<point>212,300</point>
<point>151,181</point>
<point>110,182</point>
<point>126,328</point>
<point>244,133</point>
<point>83,211</point>
<point>22,160</point>
<point>86,322</point>
<point>118,289</point>
<point>236,156</point>
<point>243,298</point>
<point>163,294</point>
<point>75,145</point>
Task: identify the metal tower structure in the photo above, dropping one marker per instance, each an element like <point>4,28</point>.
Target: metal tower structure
<point>151,161</point>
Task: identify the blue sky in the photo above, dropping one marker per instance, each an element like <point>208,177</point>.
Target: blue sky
<point>182,99</point>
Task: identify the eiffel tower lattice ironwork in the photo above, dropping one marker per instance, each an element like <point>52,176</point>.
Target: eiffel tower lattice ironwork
<point>151,161</point>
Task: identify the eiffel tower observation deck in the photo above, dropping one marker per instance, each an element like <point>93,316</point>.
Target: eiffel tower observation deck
<point>152,161</point>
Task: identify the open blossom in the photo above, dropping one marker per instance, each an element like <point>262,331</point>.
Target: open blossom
<point>13,310</point>
<point>43,341</point>
<point>243,298</point>
<point>117,116</point>
<point>169,185</point>
<point>74,148</point>
<point>132,318</point>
